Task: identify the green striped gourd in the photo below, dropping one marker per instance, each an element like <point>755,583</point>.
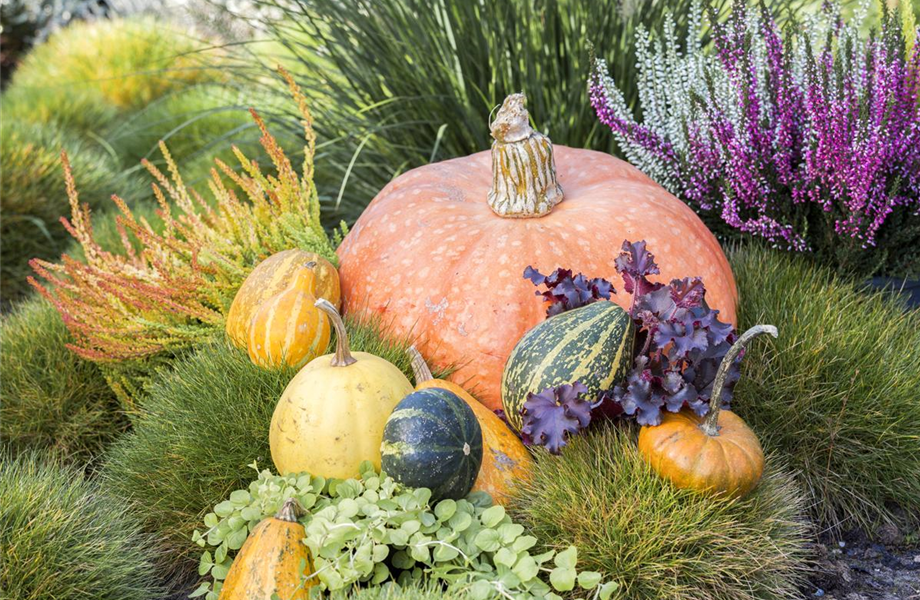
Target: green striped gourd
<point>433,439</point>
<point>591,345</point>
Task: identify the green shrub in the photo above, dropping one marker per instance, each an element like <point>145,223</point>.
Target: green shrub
<point>387,103</point>
<point>63,538</point>
<point>130,62</point>
<point>75,108</point>
<point>838,393</point>
<point>33,196</point>
<point>203,423</point>
<point>53,400</point>
<point>658,541</point>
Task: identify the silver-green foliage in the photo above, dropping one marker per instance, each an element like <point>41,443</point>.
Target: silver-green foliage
<point>372,530</point>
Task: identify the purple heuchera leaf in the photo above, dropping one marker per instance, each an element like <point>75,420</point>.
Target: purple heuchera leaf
<point>566,291</point>
<point>554,414</point>
<point>684,342</point>
<point>635,263</point>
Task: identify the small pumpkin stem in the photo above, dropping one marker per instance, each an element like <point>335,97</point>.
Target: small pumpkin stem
<point>290,511</point>
<point>343,356</point>
<point>523,169</point>
<point>710,424</point>
<point>419,367</point>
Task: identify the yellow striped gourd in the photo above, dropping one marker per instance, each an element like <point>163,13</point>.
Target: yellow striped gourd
<point>288,328</point>
<point>272,276</point>
<point>591,345</point>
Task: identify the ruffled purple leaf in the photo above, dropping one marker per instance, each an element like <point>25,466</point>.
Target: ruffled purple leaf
<point>555,414</point>
<point>566,291</point>
<point>635,264</point>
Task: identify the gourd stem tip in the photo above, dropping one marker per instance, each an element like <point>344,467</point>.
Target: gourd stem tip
<point>419,367</point>
<point>343,356</point>
<point>710,424</point>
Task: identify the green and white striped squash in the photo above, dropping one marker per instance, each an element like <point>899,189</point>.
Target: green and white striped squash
<point>592,345</point>
<point>433,440</point>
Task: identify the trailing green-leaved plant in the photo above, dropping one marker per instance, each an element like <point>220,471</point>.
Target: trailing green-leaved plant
<point>372,530</point>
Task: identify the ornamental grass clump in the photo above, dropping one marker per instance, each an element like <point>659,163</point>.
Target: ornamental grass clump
<point>837,393</point>
<point>52,400</point>
<point>808,138</point>
<point>65,538</point>
<point>124,309</point>
<point>389,102</point>
<point>657,541</point>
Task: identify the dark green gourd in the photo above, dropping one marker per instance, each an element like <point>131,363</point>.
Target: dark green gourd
<point>433,439</point>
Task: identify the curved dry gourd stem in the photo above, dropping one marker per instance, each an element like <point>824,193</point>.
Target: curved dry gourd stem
<point>523,169</point>
<point>290,511</point>
<point>419,367</point>
<point>710,424</point>
<point>343,356</point>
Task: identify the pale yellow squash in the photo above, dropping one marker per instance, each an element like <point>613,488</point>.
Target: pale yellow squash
<point>272,276</point>
<point>331,415</point>
<point>288,328</point>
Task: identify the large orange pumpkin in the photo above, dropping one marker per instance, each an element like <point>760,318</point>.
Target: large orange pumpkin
<point>442,249</point>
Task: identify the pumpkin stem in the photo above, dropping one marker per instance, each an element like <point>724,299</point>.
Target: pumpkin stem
<point>710,424</point>
<point>343,356</point>
<point>419,366</point>
<point>523,170</point>
<point>290,511</point>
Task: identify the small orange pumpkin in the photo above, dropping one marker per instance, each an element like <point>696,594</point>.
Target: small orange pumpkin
<point>270,560</point>
<point>288,328</point>
<point>272,276</point>
<point>504,458</point>
<point>717,453</point>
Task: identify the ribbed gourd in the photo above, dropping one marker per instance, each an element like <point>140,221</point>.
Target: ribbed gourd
<point>270,561</point>
<point>505,459</point>
<point>330,417</point>
<point>716,454</point>
<point>433,440</point>
<point>273,276</point>
<point>288,328</point>
<point>591,345</point>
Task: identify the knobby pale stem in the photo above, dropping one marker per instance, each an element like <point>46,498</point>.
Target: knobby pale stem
<point>343,356</point>
<point>710,425</point>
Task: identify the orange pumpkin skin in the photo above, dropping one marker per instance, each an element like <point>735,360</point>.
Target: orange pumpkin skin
<point>288,328</point>
<point>679,450</point>
<point>430,253</point>
<point>272,276</point>
<point>269,562</point>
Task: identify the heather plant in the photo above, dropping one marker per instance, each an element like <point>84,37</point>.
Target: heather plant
<point>124,309</point>
<point>809,138</point>
<point>33,195</point>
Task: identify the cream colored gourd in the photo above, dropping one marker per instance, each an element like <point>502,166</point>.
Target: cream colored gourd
<point>331,415</point>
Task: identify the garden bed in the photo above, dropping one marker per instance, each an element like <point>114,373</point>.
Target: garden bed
<point>402,332</point>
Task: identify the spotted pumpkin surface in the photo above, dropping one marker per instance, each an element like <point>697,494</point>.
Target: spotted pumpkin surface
<point>431,256</point>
